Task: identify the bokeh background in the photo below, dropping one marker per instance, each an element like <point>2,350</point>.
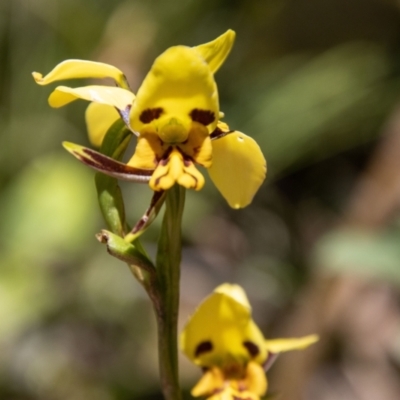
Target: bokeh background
<point>317,84</point>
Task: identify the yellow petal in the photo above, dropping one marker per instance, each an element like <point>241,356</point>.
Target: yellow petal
<point>73,69</point>
<point>191,177</point>
<point>148,152</point>
<point>215,52</point>
<point>112,96</point>
<point>238,168</point>
<point>210,381</point>
<point>198,145</point>
<point>167,172</point>
<point>99,118</point>
<point>161,179</point>
<point>256,381</point>
<point>175,170</point>
<point>218,330</point>
<point>281,345</point>
<point>178,83</point>
<point>235,292</point>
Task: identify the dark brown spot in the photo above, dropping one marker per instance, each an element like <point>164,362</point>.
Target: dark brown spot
<point>150,114</point>
<point>203,347</point>
<point>204,117</point>
<point>252,348</point>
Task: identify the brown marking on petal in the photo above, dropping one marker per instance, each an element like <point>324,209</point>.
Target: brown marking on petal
<point>150,114</point>
<point>108,164</point>
<point>252,348</point>
<point>196,150</point>
<point>187,160</point>
<point>218,133</point>
<point>204,117</point>
<point>143,221</point>
<point>160,177</point>
<point>165,157</point>
<point>203,347</point>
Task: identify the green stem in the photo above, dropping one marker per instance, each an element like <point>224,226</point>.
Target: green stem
<point>168,272</point>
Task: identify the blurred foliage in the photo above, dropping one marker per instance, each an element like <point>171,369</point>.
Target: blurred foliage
<point>359,252</point>
<point>314,82</point>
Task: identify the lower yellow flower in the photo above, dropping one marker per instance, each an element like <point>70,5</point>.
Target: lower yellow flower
<point>224,341</point>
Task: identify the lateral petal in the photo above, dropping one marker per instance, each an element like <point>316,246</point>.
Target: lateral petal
<point>198,145</point>
<point>112,96</point>
<point>149,150</point>
<point>256,381</point>
<point>74,69</point>
<point>280,345</point>
<point>216,51</point>
<point>99,118</point>
<point>107,165</point>
<point>238,168</point>
<point>211,380</point>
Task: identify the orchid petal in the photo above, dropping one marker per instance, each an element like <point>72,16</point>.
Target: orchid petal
<point>99,118</point>
<point>149,150</point>
<point>198,145</point>
<point>236,293</point>
<point>281,345</point>
<point>178,90</point>
<point>230,329</point>
<point>174,169</point>
<point>211,380</point>
<point>112,96</point>
<point>216,51</point>
<point>73,69</point>
<point>107,165</point>
<point>256,381</point>
<point>238,168</point>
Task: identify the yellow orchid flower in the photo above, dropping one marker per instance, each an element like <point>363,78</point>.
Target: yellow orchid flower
<point>175,116</point>
<point>225,342</point>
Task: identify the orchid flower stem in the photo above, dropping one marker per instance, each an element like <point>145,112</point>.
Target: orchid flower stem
<point>168,272</point>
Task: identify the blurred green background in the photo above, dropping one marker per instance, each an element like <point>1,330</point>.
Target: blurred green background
<point>317,84</point>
